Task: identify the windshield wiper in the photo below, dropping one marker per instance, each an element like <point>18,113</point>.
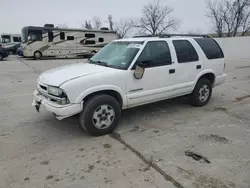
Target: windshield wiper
<point>103,63</point>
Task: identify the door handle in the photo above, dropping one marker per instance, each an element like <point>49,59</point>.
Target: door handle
<point>171,71</point>
<point>198,67</point>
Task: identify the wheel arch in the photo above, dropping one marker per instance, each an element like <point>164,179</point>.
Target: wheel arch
<point>208,74</point>
<point>115,92</point>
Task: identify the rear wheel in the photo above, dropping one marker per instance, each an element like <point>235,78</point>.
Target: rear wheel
<point>201,93</point>
<point>100,115</point>
<point>10,52</point>
<point>37,55</point>
<point>1,57</point>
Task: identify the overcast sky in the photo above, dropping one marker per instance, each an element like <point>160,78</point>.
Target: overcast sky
<point>18,13</point>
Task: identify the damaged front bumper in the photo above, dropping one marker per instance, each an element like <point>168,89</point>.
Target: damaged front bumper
<point>60,111</point>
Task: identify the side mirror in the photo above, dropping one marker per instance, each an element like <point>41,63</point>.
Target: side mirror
<point>139,72</point>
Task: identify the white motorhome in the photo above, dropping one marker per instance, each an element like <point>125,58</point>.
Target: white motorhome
<point>49,41</point>
<point>11,42</point>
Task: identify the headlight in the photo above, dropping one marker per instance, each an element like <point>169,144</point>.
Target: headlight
<point>24,48</point>
<point>55,91</point>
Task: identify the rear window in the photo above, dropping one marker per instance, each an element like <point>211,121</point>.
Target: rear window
<point>210,47</point>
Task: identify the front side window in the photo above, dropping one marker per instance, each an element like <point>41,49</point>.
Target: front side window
<point>211,49</point>
<point>117,55</point>
<point>155,53</point>
<point>6,39</point>
<point>185,51</point>
<point>35,35</point>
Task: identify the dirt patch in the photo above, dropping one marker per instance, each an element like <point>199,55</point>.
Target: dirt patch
<point>90,168</point>
<point>214,138</point>
<point>44,162</point>
<point>82,149</point>
<point>219,109</point>
<point>242,67</point>
<point>202,181</point>
<point>205,181</point>
<point>242,98</point>
<point>26,179</point>
<point>49,177</point>
<point>156,131</point>
<point>197,157</point>
<point>107,146</point>
<point>136,128</point>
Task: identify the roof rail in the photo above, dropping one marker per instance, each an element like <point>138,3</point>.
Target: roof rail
<point>172,35</point>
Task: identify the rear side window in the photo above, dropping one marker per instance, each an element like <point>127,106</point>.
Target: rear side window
<point>15,39</point>
<point>62,36</point>
<point>50,36</point>
<point>210,47</point>
<point>185,51</point>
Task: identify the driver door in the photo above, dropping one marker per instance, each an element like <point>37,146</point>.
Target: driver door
<point>158,77</point>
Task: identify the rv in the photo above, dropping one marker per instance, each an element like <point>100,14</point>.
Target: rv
<point>49,41</point>
<point>11,42</point>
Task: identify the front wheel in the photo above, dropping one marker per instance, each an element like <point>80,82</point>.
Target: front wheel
<point>201,93</point>
<point>37,55</point>
<point>100,115</point>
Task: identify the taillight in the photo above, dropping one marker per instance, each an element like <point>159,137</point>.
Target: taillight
<point>224,66</point>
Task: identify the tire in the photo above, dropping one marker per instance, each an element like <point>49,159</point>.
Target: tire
<point>37,55</point>
<point>201,93</point>
<point>10,52</point>
<point>1,57</point>
<point>100,115</point>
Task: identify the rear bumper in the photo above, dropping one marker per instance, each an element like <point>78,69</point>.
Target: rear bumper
<point>220,79</point>
<point>60,111</point>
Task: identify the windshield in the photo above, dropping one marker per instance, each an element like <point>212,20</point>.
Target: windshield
<point>5,39</point>
<point>118,54</point>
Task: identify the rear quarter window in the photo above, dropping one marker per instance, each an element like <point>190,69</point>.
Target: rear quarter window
<point>210,47</point>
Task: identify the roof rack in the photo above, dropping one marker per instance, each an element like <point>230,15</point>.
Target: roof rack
<point>172,35</point>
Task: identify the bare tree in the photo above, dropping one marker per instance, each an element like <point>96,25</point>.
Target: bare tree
<point>88,25</point>
<point>111,23</point>
<point>97,22</point>
<point>246,24</point>
<point>196,31</point>
<point>155,19</point>
<point>122,27</point>
<point>214,13</point>
<point>229,16</point>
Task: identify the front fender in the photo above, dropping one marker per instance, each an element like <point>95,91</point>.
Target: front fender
<point>102,88</point>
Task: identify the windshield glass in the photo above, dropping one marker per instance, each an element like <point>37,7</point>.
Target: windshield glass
<point>118,54</point>
<point>5,39</point>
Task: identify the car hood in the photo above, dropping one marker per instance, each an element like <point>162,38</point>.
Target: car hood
<point>61,75</point>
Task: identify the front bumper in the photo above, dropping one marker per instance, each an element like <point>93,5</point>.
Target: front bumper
<point>60,111</point>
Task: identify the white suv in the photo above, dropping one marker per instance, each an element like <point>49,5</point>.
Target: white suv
<point>128,73</point>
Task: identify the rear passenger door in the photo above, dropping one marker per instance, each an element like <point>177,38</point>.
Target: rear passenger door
<point>188,63</point>
<point>214,56</point>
